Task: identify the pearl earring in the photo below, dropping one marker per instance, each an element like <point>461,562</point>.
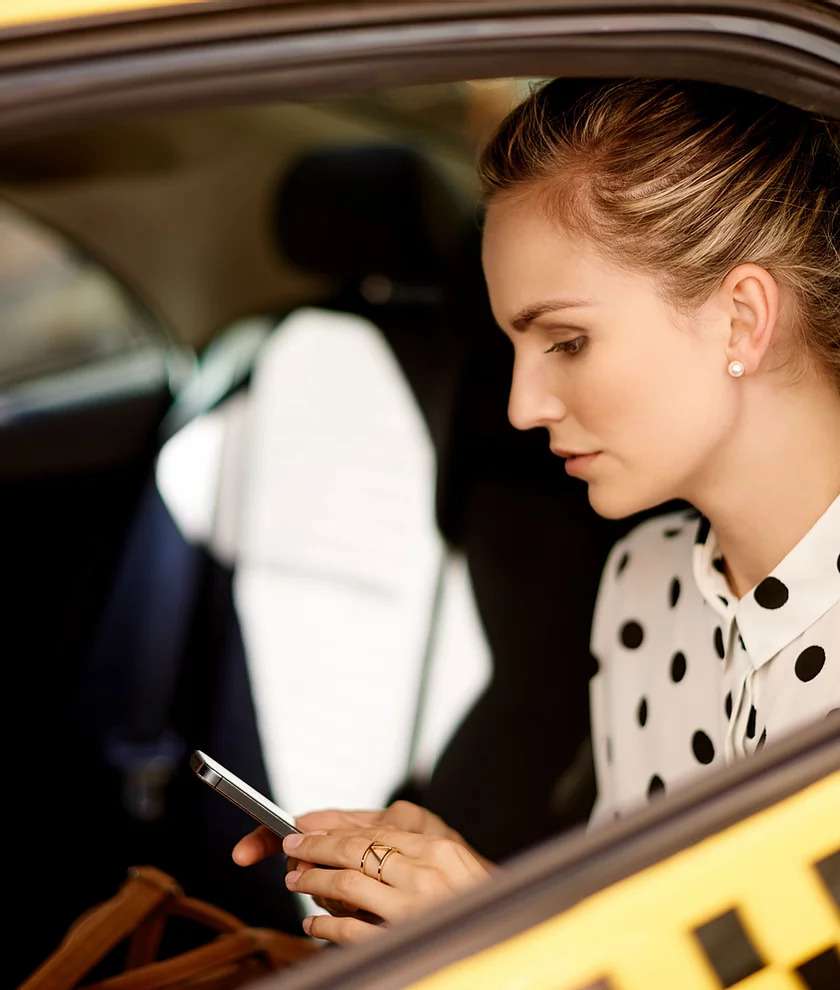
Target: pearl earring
<point>736,369</point>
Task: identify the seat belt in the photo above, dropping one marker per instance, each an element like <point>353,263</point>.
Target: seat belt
<point>131,679</point>
<point>426,664</point>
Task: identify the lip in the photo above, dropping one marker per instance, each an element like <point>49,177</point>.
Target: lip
<point>560,452</point>
<point>576,463</point>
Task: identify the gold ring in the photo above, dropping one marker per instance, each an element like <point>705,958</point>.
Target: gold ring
<point>380,853</point>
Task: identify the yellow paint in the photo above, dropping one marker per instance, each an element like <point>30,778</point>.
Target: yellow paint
<point>638,932</point>
<point>16,12</point>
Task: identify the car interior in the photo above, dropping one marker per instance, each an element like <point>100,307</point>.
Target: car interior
<point>253,425</point>
<point>164,256</point>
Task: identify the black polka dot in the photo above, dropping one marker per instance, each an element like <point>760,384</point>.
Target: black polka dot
<point>761,741</point>
<point>751,722</point>
<point>838,561</point>
<point>678,666</point>
<point>656,786</point>
<point>675,591</point>
<point>724,600</point>
<point>771,593</point>
<point>702,530</point>
<point>704,750</point>
<point>642,712</point>
<point>669,534</point>
<point>728,705</point>
<point>719,565</point>
<point>622,563</point>
<point>632,635</point>
<point>719,643</point>
<point>741,641</point>
<point>809,663</point>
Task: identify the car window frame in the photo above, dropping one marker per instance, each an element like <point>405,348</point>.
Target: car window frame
<point>242,51</point>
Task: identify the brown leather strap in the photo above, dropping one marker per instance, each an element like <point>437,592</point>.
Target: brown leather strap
<point>146,940</point>
<point>98,930</point>
<point>206,914</point>
<point>226,949</point>
<point>141,909</point>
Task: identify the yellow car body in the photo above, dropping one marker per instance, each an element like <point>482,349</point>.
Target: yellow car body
<point>17,12</point>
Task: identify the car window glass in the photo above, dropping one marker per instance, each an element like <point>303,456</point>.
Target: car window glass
<point>59,309</point>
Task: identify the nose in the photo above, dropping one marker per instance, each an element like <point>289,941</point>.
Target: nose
<point>532,402</point>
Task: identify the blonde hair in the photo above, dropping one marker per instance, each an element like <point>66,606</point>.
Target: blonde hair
<point>683,181</point>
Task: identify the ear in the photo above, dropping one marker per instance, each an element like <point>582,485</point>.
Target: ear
<point>751,297</point>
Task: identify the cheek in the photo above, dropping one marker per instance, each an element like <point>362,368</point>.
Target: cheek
<point>657,406</point>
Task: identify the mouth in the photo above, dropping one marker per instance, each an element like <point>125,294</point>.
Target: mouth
<point>570,454</point>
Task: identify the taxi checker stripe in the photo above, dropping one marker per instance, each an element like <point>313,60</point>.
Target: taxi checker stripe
<point>776,867</point>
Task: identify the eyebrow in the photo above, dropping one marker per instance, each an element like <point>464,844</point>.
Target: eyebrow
<point>525,317</point>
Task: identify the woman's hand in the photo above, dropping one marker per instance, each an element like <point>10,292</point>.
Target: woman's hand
<point>422,870</point>
<point>402,815</point>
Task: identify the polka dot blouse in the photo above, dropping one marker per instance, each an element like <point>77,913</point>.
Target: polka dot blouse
<point>691,676</point>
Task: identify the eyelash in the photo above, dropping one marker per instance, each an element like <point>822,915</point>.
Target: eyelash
<point>566,346</point>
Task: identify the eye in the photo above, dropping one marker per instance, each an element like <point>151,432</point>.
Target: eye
<point>568,346</point>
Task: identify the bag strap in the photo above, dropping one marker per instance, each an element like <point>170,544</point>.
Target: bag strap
<point>97,931</point>
<point>146,939</point>
<point>275,948</point>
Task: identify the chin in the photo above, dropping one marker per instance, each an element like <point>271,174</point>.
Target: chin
<point>612,504</point>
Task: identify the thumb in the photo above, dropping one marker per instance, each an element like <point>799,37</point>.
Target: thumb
<point>256,846</point>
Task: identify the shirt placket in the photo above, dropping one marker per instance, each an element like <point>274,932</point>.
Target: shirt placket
<point>744,697</point>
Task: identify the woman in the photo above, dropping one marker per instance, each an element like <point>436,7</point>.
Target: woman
<point>664,258</point>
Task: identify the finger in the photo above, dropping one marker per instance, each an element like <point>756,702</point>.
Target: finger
<point>414,818</point>
<point>345,847</point>
<point>342,931</point>
<point>354,889</point>
<point>255,846</point>
<point>339,910</point>
<point>335,818</point>
<point>334,907</point>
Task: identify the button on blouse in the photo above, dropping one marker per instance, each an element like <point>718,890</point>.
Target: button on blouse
<point>690,676</point>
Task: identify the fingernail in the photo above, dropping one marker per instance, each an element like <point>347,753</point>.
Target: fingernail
<point>291,878</point>
<point>307,925</point>
<point>292,842</point>
<point>238,856</point>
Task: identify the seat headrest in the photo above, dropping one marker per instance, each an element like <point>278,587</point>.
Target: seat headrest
<point>377,209</point>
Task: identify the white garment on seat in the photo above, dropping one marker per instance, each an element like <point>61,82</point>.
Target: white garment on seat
<point>318,487</point>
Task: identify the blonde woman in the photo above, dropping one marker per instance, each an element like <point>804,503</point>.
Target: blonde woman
<point>663,257</point>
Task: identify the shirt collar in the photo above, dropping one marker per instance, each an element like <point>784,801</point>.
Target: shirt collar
<point>801,588</point>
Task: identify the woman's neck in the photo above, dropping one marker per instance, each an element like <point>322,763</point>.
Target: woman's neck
<point>774,481</point>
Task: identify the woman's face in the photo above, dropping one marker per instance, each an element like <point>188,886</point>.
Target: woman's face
<point>606,365</point>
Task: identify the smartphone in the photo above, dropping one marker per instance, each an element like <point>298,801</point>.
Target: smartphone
<point>239,793</point>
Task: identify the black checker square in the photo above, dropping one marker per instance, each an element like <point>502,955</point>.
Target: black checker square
<point>829,871</point>
<point>821,972</point>
<point>728,948</point>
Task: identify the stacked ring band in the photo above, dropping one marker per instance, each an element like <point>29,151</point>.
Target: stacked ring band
<point>380,853</point>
